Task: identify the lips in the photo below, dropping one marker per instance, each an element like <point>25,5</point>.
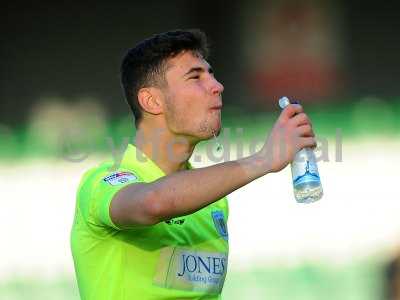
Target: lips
<point>216,107</point>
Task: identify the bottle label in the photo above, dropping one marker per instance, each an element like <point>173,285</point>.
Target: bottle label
<point>304,168</point>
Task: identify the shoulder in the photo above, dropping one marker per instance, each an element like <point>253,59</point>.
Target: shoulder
<point>105,174</point>
<point>98,187</point>
<point>93,176</point>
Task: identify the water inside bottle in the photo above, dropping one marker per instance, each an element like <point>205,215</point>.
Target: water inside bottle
<point>308,192</point>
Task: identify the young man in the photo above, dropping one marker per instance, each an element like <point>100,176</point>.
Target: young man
<point>151,226</point>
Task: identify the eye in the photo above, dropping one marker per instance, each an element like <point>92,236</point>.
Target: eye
<point>195,77</point>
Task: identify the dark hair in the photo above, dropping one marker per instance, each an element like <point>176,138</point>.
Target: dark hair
<point>144,65</point>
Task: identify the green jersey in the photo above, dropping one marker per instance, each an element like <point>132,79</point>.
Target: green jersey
<point>182,258</point>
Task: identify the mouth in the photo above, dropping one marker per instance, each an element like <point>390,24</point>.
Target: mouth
<point>217,107</point>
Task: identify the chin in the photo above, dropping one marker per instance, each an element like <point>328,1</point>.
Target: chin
<point>207,130</point>
<point>216,130</point>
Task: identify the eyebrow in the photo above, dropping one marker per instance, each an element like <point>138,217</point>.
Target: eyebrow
<point>200,70</point>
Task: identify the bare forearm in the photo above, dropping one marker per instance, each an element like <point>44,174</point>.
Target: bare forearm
<point>187,191</point>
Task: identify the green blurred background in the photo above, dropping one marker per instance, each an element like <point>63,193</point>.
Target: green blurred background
<point>62,111</point>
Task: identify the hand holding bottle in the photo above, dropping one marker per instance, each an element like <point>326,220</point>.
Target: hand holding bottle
<point>290,133</point>
<point>305,176</point>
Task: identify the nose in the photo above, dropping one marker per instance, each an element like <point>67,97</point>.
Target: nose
<point>217,88</point>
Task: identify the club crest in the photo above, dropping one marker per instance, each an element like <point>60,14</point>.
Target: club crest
<point>220,225</point>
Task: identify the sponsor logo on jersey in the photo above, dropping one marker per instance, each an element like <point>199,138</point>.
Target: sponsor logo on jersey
<point>118,178</point>
<point>195,264</point>
<point>191,270</point>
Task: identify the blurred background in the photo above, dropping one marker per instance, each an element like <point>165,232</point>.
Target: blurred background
<point>62,112</point>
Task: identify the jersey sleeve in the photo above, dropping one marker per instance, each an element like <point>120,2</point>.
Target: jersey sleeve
<point>96,192</point>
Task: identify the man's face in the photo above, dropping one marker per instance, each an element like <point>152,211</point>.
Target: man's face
<point>193,99</point>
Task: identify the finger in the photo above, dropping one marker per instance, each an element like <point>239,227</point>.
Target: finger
<point>300,119</point>
<point>290,111</point>
<point>305,131</point>
<point>308,142</point>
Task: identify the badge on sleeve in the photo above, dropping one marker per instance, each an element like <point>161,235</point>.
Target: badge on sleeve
<point>220,225</point>
<point>118,178</point>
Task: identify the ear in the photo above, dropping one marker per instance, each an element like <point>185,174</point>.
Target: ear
<point>150,100</point>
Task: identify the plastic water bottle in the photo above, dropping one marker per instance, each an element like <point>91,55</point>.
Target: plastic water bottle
<point>306,181</point>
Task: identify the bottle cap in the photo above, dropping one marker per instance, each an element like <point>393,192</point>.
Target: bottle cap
<point>283,102</point>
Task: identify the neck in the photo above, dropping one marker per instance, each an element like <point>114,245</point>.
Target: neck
<point>168,151</point>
